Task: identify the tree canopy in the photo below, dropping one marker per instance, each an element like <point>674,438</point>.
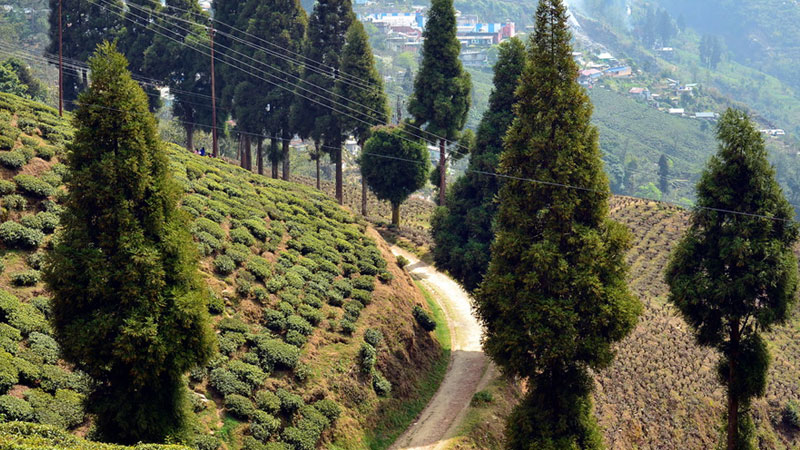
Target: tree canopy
<point>394,166</point>
<point>734,276</point>
<point>462,230</point>
<point>554,299</point>
<point>129,307</point>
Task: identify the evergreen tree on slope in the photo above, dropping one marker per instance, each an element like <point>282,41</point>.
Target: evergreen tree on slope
<point>129,307</point>
<point>315,110</point>
<point>85,24</point>
<point>734,276</point>
<point>554,299</point>
<point>462,231</point>
<point>359,64</point>
<point>441,98</point>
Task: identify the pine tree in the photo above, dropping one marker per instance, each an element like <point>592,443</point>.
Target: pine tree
<point>185,71</point>
<point>441,98</point>
<point>136,38</point>
<point>359,64</point>
<point>554,299</point>
<point>129,306</point>
<point>462,231</point>
<point>663,174</point>
<point>394,166</point>
<point>85,24</point>
<point>264,106</point>
<point>315,109</point>
<point>734,276</point>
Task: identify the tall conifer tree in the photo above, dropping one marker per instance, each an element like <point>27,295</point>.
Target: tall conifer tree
<point>85,24</point>
<point>136,38</point>
<point>734,276</point>
<point>359,64</point>
<point>186,72</point>
<point>129,307</point>
<point>463,230</point>
<point>441,98</point>
<point>327,28</point>
<point>554,299</point>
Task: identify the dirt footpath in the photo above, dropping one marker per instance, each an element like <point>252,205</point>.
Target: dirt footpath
<point>466,372</point>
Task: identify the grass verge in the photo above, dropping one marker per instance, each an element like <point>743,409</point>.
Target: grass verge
<point>399,416</point>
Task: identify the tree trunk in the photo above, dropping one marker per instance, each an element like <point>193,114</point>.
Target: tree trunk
<point>249,155</point>
<point>189,128</point>
<point>273,146</point>
<point>396,214</point>
<point>443,170</point>
<point>285,158</point>
<point>245,148</point>
<point>363,187</point>
<point>319,156</point>
<point>339,193</point>
<point>733,396</point>
<point>260,151</point>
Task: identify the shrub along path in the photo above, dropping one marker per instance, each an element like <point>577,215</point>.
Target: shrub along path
<point>468,364</point>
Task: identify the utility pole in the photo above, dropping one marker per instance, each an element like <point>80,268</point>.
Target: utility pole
<point>399,110</point>
<point>214,145</point>
<point>60,64</point>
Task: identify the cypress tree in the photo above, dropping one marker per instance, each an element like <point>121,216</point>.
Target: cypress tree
<point>282,22</point>
<point>394,166</point>
<point>462,231</point>
<point>324,46</point>
<point>186,72</point>
<point>554,299</point>
<point>359,64</point>
<point>441,98</point>
<point>85,24</point>
<point>136,38</point>
<point>734,276</point>
<point>663,174</point>
<point>129,306</point>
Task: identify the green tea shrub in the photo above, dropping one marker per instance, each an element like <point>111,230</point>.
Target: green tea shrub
<point>33,186</point>
<point>242,236</point>
<point>26,278</point>
<point>295,338</point>
<point>257,228</point>
<point>299,324</point>
<point>268,401</point>
<point>329,409</point>
<point>364,282</point>
<point>422,317</point>
<point>44,346</point>
<point>373,337</point>
<point>15,235</point>
<point>239,406</point>
<point>311,314</point>
<point>368,356</point>
<point>209,227</point>
<point>347,326</point>
<point>274,320</point>
<point>381,385</point>
<point>260,268</point>
<point>290,402</point>
<point>224,265</point>
<point>249,373</point>
<point>226,382</point>
<point>13,160</point>
<point>365,297</point>
<point>7,187</point>
<point>279,354</point>
<point>344,287</point>
<point>15,202</point>
<point>15,409</point>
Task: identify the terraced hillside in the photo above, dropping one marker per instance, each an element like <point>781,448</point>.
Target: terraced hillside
<point>318,344</point>
<point>661,391</point>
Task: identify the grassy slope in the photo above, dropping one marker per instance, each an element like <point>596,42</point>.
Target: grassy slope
<point>661,390</point>
<point>280,229</point>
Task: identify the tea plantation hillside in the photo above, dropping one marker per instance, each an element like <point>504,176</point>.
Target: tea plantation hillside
<point>661,391</point>
<point>318,346</point>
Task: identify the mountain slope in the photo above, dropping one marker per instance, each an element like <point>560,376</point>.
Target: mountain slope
<point>296,281</point>
<point>661,391</point>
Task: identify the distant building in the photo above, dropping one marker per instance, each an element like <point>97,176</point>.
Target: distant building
<point>410,19</point>
<point>706,115</point>
<point>641,93</point>
<point>476,58</point>
<point>619,72</point>
<point>677,111</point>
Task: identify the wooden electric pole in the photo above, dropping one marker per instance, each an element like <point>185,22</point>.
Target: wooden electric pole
<point>60,64</point>
<point>214,144</point>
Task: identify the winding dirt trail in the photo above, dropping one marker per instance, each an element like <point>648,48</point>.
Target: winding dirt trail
<point>466,373</point>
